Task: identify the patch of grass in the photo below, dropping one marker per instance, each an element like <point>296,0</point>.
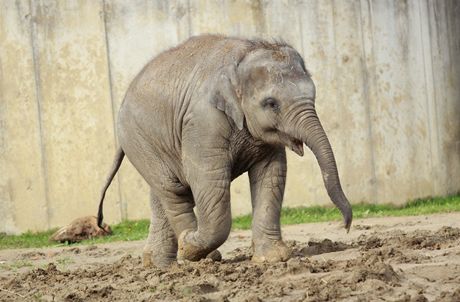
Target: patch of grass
<point>127,230</point>
<point>137,230</point>
<point>26,240</point>
<point>321,214</point>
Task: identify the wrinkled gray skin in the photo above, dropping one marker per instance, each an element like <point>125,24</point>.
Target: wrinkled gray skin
<point>199,115</point>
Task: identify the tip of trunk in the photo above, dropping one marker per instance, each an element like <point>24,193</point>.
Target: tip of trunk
<point>347,219</point>
<point>345,208</point>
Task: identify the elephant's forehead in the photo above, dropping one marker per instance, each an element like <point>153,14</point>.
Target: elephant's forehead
<point>287,72</point>
<point>271,73</point>
<point>294,88</point>
<point>285,60</point>
<point>275,73</point>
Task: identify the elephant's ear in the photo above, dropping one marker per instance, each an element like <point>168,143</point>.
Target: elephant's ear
<point>228,95</point>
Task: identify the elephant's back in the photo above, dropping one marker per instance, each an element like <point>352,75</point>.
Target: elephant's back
<point>173,75</point>
<point>190,62</point>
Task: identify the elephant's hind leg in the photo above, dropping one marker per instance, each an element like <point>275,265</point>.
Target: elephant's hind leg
<point>161,247</point>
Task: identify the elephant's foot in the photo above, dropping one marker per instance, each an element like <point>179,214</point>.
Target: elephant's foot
<point>189,249</point>
<point>165,262</point>
<point>159,255</point>
<point>150,259</point>
<point>270,251</point>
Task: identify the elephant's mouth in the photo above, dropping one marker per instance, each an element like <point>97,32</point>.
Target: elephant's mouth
<point>297,146</point>
<point>292,143</point>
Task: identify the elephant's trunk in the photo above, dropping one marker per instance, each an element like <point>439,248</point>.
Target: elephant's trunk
<point>313,135</point>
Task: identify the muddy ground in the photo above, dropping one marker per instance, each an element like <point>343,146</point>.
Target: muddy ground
<point>381,259</point>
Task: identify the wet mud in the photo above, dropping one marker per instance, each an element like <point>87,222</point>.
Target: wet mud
<point>393,262</point>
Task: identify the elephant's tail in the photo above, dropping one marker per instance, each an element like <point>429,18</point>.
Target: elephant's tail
<point>116,165</point>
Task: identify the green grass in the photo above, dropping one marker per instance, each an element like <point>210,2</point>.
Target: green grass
<point>321,214</point>
<point>136,230</point>
<point>25,240</point>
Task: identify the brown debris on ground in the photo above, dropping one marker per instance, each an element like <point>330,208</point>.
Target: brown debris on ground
<point>80,229</point>
<point>393,263</point>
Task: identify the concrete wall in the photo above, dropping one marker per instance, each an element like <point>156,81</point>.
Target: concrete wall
<point>387,76</point>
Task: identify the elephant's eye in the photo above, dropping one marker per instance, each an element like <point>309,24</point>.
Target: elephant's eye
<point>271,103</point>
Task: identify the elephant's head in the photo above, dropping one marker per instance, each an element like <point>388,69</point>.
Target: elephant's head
<point>271,90</point>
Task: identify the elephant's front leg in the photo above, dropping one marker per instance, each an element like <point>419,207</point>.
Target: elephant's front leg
<point>267,179</point>
<point>209,179</point>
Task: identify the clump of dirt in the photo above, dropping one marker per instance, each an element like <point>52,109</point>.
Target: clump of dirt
<point>373,241</point>
<point>321,247</point>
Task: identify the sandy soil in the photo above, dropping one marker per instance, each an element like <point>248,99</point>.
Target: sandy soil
<point>384,259</point>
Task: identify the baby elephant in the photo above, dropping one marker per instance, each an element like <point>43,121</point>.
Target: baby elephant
<point>199,115</point>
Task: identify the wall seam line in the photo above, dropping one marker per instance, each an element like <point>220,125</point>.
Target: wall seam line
<point>338,80</point>
<point>433,76</point>
<point>374,188</point>
<point>450,47</point>
<point>6,204</point>
<point>427,97</point>
<point>39,102</point>
<point>123,213</point>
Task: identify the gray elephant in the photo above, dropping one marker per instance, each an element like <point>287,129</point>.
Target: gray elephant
<point>201,114</point>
